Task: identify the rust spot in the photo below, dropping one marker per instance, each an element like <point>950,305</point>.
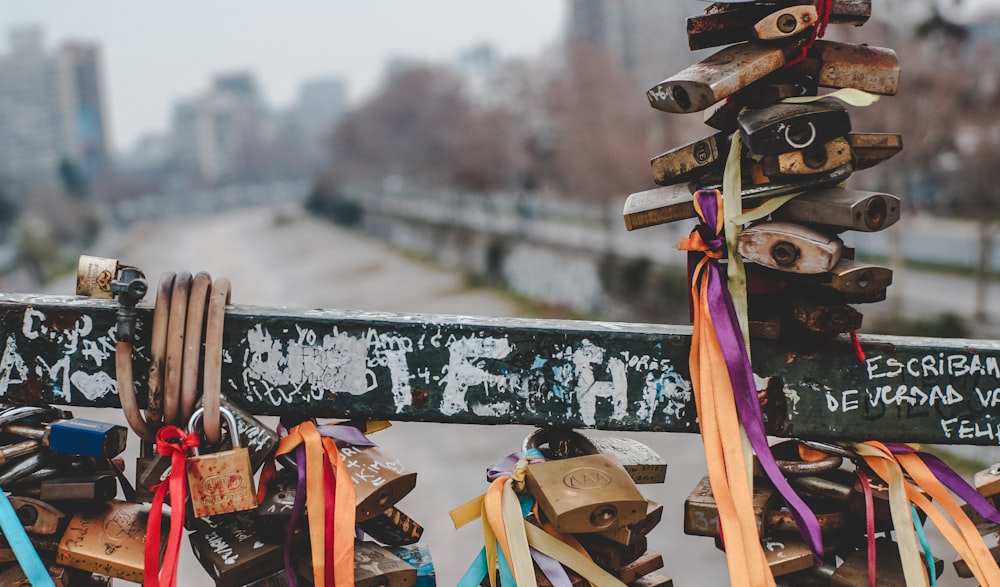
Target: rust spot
<point>774,406</point>
<point>418,398</point>
<point>58,319</point>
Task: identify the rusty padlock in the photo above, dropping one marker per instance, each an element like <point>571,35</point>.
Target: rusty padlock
<point>220,482</point>
<point>587,493</point>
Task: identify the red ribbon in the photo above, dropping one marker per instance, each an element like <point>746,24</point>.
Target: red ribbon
<point>171,442</point>
<point>869,524</point>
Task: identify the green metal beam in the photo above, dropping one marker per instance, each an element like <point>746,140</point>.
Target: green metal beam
<point>327,363</point>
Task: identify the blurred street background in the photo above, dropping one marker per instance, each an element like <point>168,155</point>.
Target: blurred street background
<point>454,158</point>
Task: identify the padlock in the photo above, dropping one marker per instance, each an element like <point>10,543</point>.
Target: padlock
<point>701,512</point>
<point>843,209</point>
<point>23,467</point>
<point>94,276</point>
<point>641,462</point>
<point>733,23</point>
<point>653,580</point>
<point>37,517</point>
<point>720,75</point>
<point>862,67</point>
<point>220,482</point>
<point>609,555</point>
<point>12,452</point>
<point>690,161</point>
<point>233,554</point>
<point>417,556</point>
<point>76,436</point>
<point>870,149</point>
<point>991,538</point>
<point>987,481</point>
<point>274,513</point>
<point>647,563</point>
<point>15,577</point>
<point>672,203</point>
<point>629,535</point>
<point>784,554</point>
<point>584,494</point>
<point>259,439</point>
<point>822,319</point>
<point>380,481</point>
<point>888,567</point>
<point>278,578</point>
<point>393,528</point>
<point>784,127</point>
<point>109,539</point>
<point>145,481</point>
<point>852,277</point>
<point>808,161</point>
<point>790,247</point>
<point>375,566</point>
<point>96,487</point>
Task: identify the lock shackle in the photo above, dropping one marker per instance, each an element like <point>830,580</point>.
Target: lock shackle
<point>227,416</point>
<point>561,442</point>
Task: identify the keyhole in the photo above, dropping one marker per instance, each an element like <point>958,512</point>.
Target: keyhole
<point>875,213</point>
<point>28,515</point>
<point>603,516</point>
<point>787,23</point>
<point>865,279</point>
<point>383,499</point>
<point>799,135</point>
<point>681,97</point>
<point>784,253</point>
<point>815,158</point>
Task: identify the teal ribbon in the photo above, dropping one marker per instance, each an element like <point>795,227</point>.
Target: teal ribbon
<point>924,544</point>
<point>33,567</point>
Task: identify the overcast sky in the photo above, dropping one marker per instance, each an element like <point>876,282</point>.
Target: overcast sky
<point>157,52</point>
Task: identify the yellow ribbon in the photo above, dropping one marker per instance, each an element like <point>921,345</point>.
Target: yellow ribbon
<point>886,467</point>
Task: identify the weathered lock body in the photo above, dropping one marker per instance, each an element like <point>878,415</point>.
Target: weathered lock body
<point>375,566</point>
<point>790,247</point>
<point>870,149</point>
<point>653,580</point>
<point>863,67</point>
<point>258,438</point>
<point>991,538</point>
<point>274,513</point>
<point>96,487</point>
<point>808,161</point>
<point>643,464</point>
<point>843,209</point>
<point>632,533</point>
<point>609,555</point>
<point>888,567</point>
<point>109,539</point>
<point>987,481</point>
<point>585,494</point>
<point>15,577</point>
<point>233,553</point>
<point>36,516</point>
<point>690,161</point>
<point>393,528</point>
<point>380,480</point>
<point>418,556</point>
<point>220,482</point>
<point>145,480</point>
<point>647,563</point>
<point>783,127</point>
<point>701,512</point>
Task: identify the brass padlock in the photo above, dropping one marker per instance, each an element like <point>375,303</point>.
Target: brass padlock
<point>380,481</point>
<point>808,161</point>
<point>690,161</point>
<point>587,493</point>
<point>220,482</point>
<point>109,539</point>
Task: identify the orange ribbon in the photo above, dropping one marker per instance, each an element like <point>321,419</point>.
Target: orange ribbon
<point>322,453</point>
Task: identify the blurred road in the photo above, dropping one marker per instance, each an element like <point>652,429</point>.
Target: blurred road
<point>282,257</point>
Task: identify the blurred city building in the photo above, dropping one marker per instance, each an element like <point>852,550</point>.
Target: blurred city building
<point>52,108</point>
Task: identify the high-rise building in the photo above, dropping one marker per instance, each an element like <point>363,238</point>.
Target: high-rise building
<point>51,108</point>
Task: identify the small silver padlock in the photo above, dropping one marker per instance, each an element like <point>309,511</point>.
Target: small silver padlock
<point>220,482</point>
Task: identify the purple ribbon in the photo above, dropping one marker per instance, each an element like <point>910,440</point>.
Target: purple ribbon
<point>504,467</point>
<point>731,342</point>
<point>297,507</point>
<point>952,481</point>
<point>345,434</point>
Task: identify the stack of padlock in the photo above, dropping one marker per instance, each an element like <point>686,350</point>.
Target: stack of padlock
<point>587,487</point>
<point>835,493</point>
<point>762,91</point>
<point>987,483</point>
<point>238,541</point>
<point>62,476</point>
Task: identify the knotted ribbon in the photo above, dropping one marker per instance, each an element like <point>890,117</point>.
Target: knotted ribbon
<point>726,397</point>
<point>325,487</point>
<point>520,542</point>
<point>175,443</point>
